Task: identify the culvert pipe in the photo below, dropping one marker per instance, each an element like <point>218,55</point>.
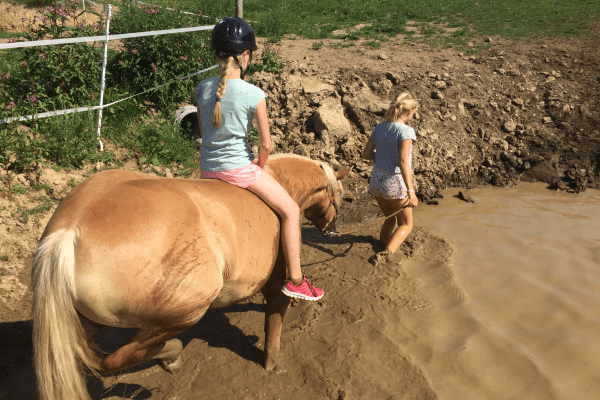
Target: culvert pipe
<point>186,118</point>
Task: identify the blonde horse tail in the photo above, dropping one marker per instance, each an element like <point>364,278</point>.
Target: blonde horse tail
<point>61,347</point>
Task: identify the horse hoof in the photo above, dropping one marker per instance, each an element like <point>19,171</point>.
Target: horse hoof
<point>170,367</point>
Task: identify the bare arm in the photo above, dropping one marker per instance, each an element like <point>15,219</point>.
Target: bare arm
<point>369,151</point>
<point>263,133</point>
<point>404,153</point>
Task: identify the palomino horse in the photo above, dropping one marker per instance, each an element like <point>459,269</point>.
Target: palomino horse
<point>130,250</point>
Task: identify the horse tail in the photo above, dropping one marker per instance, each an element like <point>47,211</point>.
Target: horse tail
<point>61,348</point>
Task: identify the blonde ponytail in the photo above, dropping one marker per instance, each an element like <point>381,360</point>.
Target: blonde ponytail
<point>401,106</point>
<point>226,66</point>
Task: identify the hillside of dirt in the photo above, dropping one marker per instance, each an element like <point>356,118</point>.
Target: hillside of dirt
<point>516,111</point>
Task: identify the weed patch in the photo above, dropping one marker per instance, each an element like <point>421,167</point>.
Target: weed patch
<point>25,213</point>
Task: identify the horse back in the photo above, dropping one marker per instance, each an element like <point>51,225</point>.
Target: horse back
<point>154,249</point>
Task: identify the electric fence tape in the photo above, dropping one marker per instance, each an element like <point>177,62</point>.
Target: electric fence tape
<point>91,108</point>
<point>102,38</point>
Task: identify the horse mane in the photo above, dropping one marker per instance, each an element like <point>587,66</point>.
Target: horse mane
<point>332,182</point>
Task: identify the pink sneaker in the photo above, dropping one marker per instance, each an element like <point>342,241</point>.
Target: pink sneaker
<point>305,291</point>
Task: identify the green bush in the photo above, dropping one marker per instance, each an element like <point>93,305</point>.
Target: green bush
<point>163,143</point>
<point>270,62</point>
<point>71,140</point>
<point>151,61</point>
<point>61,76</point>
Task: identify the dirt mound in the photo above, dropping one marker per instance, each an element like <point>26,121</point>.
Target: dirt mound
<point>517,111</point>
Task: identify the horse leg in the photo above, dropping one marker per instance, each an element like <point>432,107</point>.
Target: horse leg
<point>277,305</point>
<point>147,345</point>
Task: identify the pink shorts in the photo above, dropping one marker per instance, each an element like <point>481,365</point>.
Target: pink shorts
<point>242,177</point>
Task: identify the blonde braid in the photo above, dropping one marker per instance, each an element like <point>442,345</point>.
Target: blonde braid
<point>225,68</point>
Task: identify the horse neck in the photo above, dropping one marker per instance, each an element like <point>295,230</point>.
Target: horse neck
<point>301,178</point>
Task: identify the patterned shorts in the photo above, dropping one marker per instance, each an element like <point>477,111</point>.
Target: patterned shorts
<point>242,177</point>
<point>387,185</point>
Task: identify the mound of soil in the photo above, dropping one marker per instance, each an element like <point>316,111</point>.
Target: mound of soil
<point>516,111</point>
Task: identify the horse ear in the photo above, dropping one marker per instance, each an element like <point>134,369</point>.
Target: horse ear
<point>342,174</point>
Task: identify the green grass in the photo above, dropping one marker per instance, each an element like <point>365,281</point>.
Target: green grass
<point>45,205</point>
<point>17,189</point>
<point>316,19</point>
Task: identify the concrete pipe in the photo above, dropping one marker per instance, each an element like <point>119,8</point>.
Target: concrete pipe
<point>186,117</point>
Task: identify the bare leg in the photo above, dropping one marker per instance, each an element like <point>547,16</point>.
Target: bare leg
<point>389,237</point>
<point>272,193</point>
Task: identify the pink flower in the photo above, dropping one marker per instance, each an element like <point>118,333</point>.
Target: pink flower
<point>11,105</point>
<point>7,76</point>
<point>42,55</point>
<point>23,19</point>
<point>11,40</point>
<point>184,58</point>
<point>178,44</point>
<point>133,51</point>
<point>199,59</point>
<point>120,61</point>
<point>154,67</point>
<point>143,40</point>
<point>95,25</point>
<point>32,98</point>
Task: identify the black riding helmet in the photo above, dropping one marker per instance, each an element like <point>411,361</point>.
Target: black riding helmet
<point>232,36</point>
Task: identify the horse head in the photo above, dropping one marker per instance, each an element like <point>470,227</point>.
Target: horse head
<point>324,212</point>
<point>314,185</point>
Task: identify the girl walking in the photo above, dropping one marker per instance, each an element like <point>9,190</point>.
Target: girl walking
<point>390,146</point>
<point>226,105</point>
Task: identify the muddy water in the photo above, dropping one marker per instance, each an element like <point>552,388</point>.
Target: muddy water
<point>517,313</point>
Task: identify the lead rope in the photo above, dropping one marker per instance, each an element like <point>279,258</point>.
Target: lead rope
<point>356,230</point>
<point>372,221</point>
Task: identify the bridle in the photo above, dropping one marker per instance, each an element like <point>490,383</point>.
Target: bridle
<point>326,231</point>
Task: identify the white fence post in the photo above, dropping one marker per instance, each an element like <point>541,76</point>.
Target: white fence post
<point>102,80</point>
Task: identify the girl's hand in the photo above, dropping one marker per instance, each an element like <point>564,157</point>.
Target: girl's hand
<point>412,200</point>
<point>268,170</point>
